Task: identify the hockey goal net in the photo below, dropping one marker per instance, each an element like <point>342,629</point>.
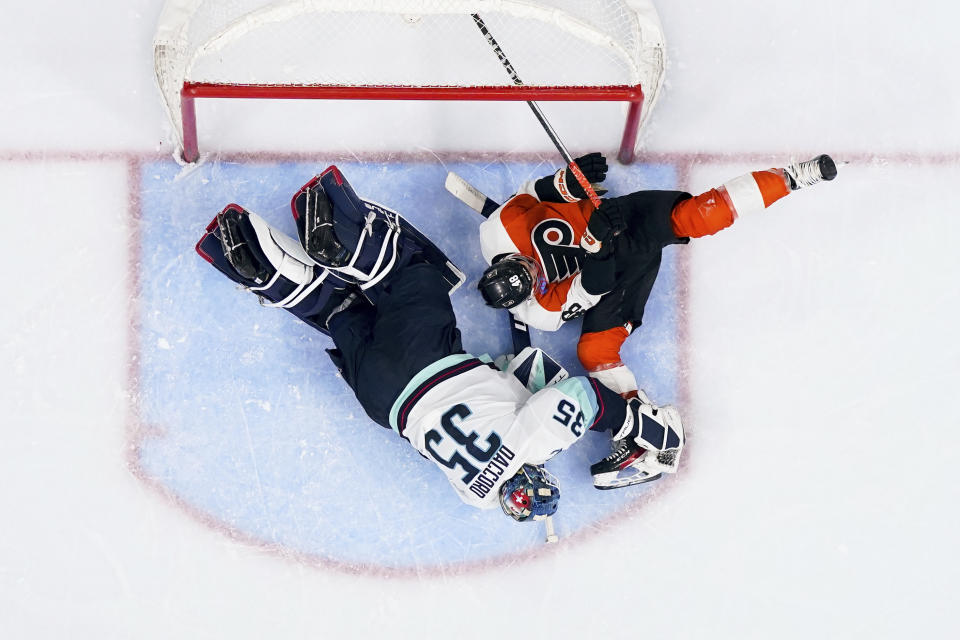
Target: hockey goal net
<point>407,49</point>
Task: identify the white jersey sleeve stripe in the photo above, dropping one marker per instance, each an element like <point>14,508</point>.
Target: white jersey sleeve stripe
<point>579,389</point>
<point>427,377</point>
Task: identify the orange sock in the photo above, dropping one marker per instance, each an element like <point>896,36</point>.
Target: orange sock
<point>599,353</point>
<point>772,184</point>
<point>702,215</point>
<point>709,212</point>
<point>601,349</point>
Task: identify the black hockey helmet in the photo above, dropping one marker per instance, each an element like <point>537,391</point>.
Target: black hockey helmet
<point>507,283</point>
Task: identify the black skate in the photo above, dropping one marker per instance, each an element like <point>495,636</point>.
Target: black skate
<point>622,467</point>
<point>809,173</point>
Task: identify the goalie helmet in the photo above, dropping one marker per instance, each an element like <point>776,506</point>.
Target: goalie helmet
<point>532,493</point>
<point>509,282</point>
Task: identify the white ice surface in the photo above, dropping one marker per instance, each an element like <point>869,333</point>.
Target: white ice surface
<point>818,498</point>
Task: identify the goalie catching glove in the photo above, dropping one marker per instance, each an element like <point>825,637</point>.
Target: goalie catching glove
<point>648,444</point>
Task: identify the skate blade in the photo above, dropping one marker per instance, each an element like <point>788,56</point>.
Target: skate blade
<point>615,481</point>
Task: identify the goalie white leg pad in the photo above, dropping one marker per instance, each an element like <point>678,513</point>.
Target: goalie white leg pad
<point>661,433</point>
<point>660,427</point>
<point>648,445</point>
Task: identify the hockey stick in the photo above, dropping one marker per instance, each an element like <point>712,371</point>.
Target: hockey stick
<point>470,195</point>
<point>484,205</point>
<point>571,164</point>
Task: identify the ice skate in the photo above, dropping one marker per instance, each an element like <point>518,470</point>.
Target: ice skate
<point>648,445</point>
<point>623,467</point>
<point>810,172</point>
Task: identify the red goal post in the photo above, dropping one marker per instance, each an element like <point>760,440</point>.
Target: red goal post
<point>572,50</point>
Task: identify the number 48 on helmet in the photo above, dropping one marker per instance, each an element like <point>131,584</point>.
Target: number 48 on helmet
<point>509,282</point>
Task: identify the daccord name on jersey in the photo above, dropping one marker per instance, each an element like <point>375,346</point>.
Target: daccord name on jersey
<point>467,454</point>
<point>487,479</point>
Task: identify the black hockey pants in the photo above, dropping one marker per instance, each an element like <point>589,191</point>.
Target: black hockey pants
<point>381,348</point>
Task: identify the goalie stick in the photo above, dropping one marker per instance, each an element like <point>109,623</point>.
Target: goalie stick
<point>519,331</point>
<point>484,205</point>
<point>591,242</point>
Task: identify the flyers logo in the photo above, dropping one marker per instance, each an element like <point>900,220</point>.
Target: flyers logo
<point>553,241</point>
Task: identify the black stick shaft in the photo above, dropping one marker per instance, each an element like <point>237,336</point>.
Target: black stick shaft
<point>594,198</point>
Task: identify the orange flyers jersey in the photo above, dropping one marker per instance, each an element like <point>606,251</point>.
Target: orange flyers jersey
<point>548,232</point>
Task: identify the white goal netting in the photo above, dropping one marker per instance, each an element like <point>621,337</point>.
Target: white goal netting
<point>406,43</point>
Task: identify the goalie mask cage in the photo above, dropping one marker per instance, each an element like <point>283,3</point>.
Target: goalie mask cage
<point>609,50</point>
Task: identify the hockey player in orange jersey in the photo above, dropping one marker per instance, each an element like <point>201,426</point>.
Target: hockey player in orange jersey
<point>547,271</point>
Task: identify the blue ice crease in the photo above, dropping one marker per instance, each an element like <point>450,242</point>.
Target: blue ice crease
<point>260,432</point>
